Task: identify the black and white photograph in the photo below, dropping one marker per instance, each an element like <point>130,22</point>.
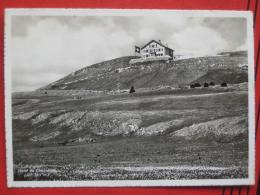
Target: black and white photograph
<point>106,97</point>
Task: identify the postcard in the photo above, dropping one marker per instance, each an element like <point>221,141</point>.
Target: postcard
<point>118,97</point>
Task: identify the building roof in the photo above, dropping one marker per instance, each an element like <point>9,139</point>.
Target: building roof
<point>159,43</point>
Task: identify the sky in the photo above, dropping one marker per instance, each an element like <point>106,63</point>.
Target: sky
<point>47,48</point>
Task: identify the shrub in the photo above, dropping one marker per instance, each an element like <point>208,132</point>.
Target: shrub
<point>54,86</point>
<point>212,83</point>
<point>197,85</point>
<point>132,89</point>
<point>224,84</point>
<point>206,84</point>
<point>191,86</point>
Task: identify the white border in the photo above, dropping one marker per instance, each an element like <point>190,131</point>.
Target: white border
<point>125,12</point>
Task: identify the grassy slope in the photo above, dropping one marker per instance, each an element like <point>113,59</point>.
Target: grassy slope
<point>222,75</point>
<point>89,117</point>
<point>119,74</point>
<point>74,118</point>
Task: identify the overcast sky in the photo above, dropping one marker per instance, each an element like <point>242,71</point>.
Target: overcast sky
<point>46,48</point>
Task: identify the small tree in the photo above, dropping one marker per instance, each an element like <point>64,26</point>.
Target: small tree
<point>132,89</point>
<point>212,83</point>
<point>197,85</point>
<point>206,85</point>
<point>224,84</point>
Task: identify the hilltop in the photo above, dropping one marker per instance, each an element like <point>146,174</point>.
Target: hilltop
<point>120,74</point>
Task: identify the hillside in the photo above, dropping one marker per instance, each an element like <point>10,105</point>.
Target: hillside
<point>119,74</point>
<point>65,119</point>
<point>222,75</point>
<point>110,136</point>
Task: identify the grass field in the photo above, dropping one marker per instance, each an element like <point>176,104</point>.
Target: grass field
<point>161,134</point>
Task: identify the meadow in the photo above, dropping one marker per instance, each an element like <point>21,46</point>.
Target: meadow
<point>167,133</point>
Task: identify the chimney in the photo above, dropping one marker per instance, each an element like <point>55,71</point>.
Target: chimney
<point>160,41</point>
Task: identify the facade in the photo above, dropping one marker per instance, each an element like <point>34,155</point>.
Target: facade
<point>155,49</point>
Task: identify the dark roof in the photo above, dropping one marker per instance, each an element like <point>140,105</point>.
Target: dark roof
<point>157,43</point>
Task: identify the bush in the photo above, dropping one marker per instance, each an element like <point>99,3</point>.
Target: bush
<point>212,83</point>
<point>132,89</point>
<point>206,84</point>
<point>54,86</point>
<point>224,84</point>
<point>191,86</point>
<point>197,85</point>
